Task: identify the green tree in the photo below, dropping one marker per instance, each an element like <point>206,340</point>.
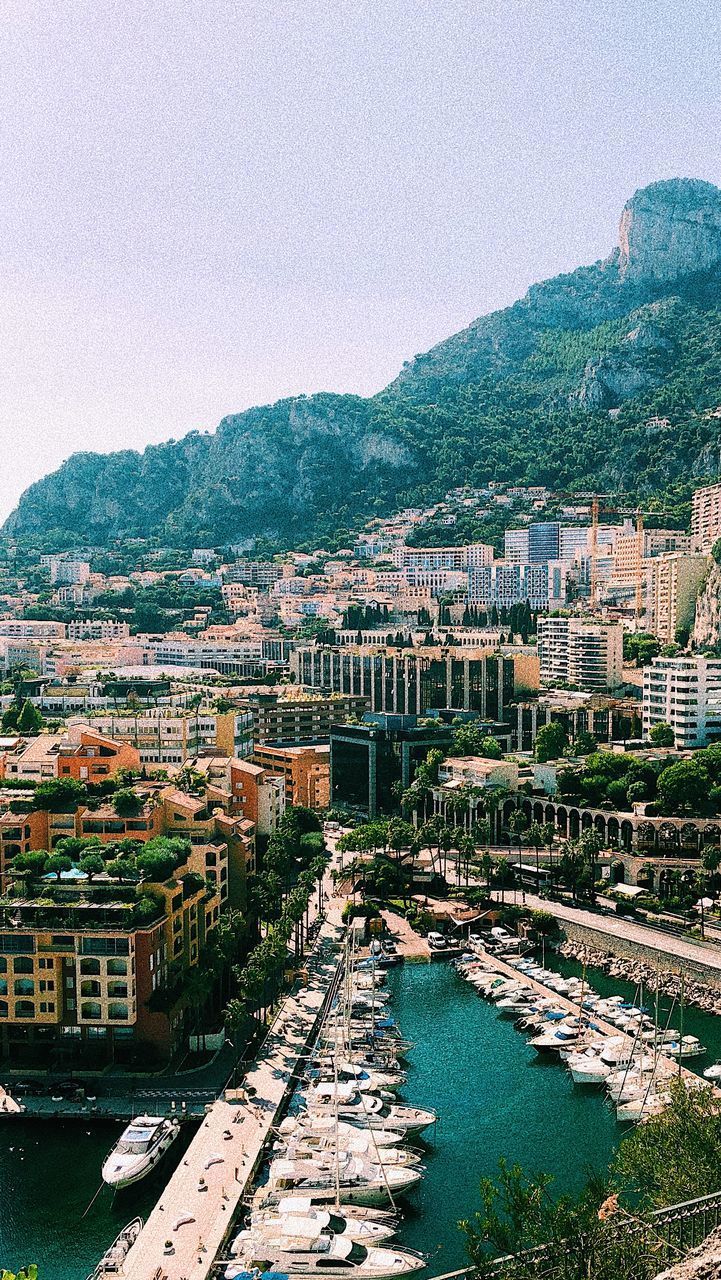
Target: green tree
<point>684,788</point>
<point>551,742</point>
<point>31,865</point>
<point>127,804</point>
<point>29,721</point>
<point>58,864</point>
<point>91,864</point>
<point>60,795</point>
<point>661,735</point>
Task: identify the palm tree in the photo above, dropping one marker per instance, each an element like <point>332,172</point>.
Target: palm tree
<point>517,826</point>
<point>549,835</point>
<point>535,838</point>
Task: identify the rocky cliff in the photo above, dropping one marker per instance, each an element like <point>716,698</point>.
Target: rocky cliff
<point>707,624</point>
<point>524,393</point>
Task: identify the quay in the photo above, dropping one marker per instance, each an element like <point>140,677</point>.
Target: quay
<point>571,1007</point>
<point>188,1226</point>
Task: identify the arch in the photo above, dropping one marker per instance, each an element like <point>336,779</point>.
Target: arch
<point>668,837</point>
<point>550,814</point>
<point>613,832</point>
<point>599,823</point>
<point>562,820</point>
<point>538,812</point>
<point>645,835</point>
<point>627,835</point>
<point>574,823</point>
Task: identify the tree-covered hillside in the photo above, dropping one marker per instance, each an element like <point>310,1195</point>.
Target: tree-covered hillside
<point>561,389</point>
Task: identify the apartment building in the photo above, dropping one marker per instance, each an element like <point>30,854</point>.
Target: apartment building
<point>294,721</point>
<point>544,586</point>
<point>673,584</point>
<point>633,547</point>
<point>684,692</point>
<point>253,573</point>
<point>251,657</point>
<point>406,682</point>
<point>168,736</point>
<point>580,652</point>
<point>98,629</point>
<point>607,719</point>
<point>305,772</point>
<point>65,570</point>
<point>27,629</point>
<point>706,517</point>
<point>79,971</point>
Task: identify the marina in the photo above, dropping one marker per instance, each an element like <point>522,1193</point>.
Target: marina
<point>407,1091</point>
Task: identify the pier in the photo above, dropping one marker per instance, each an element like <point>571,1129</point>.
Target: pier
<point>572,1007</point>
<point>186,1229</point>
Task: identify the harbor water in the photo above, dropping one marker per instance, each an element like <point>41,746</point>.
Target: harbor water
<point>493,1095</point>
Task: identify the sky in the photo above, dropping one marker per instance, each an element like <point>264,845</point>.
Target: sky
<point>206,206</point>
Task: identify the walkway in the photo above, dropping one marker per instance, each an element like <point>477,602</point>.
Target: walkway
<point>188,1226</point>
<point>621,927</point>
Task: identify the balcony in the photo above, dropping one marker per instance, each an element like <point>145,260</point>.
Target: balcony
<point>24,987</point>
<point>91,1011</point>
<point>90,988</point>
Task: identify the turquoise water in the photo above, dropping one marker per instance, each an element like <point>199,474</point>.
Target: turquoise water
<point>494,1096</point>
<point>49,1173</point>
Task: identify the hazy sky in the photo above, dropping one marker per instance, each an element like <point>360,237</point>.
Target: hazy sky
<point>205,206</point>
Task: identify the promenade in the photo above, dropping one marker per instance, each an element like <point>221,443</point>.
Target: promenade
<point>188,1226</point>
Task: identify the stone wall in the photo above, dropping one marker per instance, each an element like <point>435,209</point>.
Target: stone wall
<point>628,950</point>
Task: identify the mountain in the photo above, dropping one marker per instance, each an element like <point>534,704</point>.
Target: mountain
<point>564,388</point>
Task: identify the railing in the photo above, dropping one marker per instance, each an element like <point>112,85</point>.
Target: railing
<point>678,1227</point>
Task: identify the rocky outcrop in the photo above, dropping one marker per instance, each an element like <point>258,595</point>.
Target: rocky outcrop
<point>669,230</point>
<point>707,625</point>
<point>704,1263</point>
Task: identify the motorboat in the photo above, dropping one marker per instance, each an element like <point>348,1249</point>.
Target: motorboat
<point>334,1256</point>
<point>359,1143</point>
<point>327,1126</point>
<point>368,1110</point>
<point>686,1047</point>
<point>587,1068</point>
<point>139,1150</point>
<point>314,1222</point>
<point>364,1078</point>
<point>354,1179</point>
<point>713,1072</point>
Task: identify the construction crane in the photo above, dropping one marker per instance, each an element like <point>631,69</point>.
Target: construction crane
<point>636,513</point>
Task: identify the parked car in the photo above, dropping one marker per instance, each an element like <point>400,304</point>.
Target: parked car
<point>436,941</point>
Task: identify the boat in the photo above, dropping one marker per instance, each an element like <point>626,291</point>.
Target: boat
<point>344,1220</point>
<point>139,1150</point>
<point>713,1072</point>
<point>587,1068</point>
<point>352,1178</point>
<point>333,1256</point>
<point>111,1263</point>
<point>360,1143</point>
<point>327,1126</point>
<point>364,1078</point>
<point>686,1047</point>
<point>367,1109</point>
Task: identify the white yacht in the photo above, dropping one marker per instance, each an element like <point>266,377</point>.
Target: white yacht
<point>326,1126</point>
<point>139,1150</point>
<point>354,1179</point>
<point>333,1256</point>
<point>367,1110</point>
<point>365,1226</point>
<point>587,1068</point>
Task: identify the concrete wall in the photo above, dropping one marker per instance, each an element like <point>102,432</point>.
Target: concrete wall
<point>614,945</point>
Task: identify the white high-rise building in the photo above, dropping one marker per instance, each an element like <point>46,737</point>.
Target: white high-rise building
<point>685,693</point>
<point>581,652</point>
<point>706,517</point>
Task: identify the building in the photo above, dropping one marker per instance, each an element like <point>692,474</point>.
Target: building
<point>405,682</point>
<point>543,586</point>
<point>250,657</point>
<point>607,719</point>
<point>459,777</point>
<point>295,720</point>
<point>515,548</point>
<point>82,971</point>
<point>580,652</point>
<point>168,736</point>
<point>65,570</point>
<point>26,629</point>
<point>253,573</point>
<point>706,517</point>
<point>544,542</point>
<point>673,584</point>
<point>371,762</point>
<point>453,559</point>
<point>305,772</point>
<point>98,629</point>
<point>633,547</point>
<point>684,692</point>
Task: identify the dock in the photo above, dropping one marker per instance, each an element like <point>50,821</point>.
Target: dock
<point>571,1007</point>
<point>186,1230</point>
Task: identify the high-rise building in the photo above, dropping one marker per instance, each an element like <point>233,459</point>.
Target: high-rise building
<point>672,583</point>
<point>542,585</point>
<point>706,517</point>
<point>515,546</point>
<point>581,652</point>
<point>544,541</point>
<point>685,693</point>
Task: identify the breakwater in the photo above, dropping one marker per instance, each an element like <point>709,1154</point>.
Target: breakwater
<point>636,970</point>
